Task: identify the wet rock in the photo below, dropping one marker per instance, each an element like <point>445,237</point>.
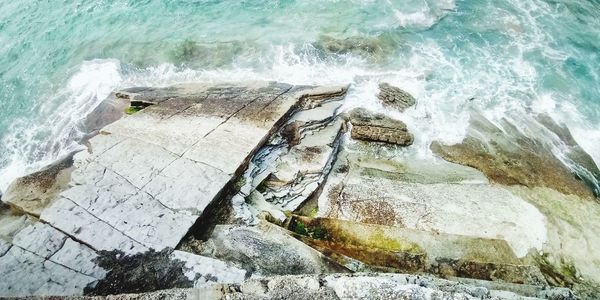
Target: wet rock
<point>107,112</point>
<point>509,157</point>
<point>582,162</point>
<point>151,271</point>
<point>375,127</point>
<point>32,193</point>
<point>394,97</point>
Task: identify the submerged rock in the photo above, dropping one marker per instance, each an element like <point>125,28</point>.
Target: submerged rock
<point>375,127</point>
<point>394,97</point>
<point>375,48</point>
<point>508,156</point>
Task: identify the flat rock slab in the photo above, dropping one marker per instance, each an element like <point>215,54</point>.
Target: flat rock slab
<point>146,178</point>
<point>37,259</point>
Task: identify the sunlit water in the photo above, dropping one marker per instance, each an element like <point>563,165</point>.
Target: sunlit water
<point>507,58</point>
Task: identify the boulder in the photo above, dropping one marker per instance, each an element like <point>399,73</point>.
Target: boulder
<point>33,192</point>
<point>265,249</point>
<point>394,97</point>
<point>376,127</point>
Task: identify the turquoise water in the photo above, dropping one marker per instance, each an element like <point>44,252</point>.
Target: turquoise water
<point>508,58</point>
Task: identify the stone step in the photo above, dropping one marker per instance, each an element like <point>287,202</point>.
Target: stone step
<point>415,251</point>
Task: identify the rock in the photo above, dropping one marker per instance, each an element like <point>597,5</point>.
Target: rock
<point>584,165</point>
<point>32,193</point>
<point>394,97</point>
<point>509,157</point>
<point>267,250</point>
<point>572,224</point>
<point>289,169</point>
<point>37,259</point>
<point>375,127</point>
<point>363,188</point>
<point>148,177</point>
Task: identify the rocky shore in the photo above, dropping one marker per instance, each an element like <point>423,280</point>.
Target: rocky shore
<point>265,190</point>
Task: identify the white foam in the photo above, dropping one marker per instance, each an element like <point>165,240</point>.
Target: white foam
<point>36,143</point>
<point>420,14</point>
<point>502,83</point>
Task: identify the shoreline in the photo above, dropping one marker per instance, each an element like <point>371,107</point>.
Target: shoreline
<point>287,173</point>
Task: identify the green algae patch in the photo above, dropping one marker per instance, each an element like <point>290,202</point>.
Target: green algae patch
<point>133,109</point>
<point>358,241</point>
<point>343,232</point>
<point>563,273</point>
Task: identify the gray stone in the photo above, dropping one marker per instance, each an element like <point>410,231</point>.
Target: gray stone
<point>40,239</point>
<point>267,250</point>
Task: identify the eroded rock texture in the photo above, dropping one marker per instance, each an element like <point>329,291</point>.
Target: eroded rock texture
<point>375,127</point>
<point>394,97</point>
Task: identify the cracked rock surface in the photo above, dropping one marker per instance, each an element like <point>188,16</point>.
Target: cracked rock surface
<point>141,185</point>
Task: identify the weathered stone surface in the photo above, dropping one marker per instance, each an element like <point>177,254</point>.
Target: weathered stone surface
<point>37,259</point>
<point>265,249</point>
<point>394,97</point>
<point>572,222</point>
<point>409,250</point>
<point>40,239</point>
<point>362,190</point>
<point>76,221</point>
<point>509,157</point>
<point>32,193</point>
<point>25,274</point>
<point>377,127</point>
<point>146,178</point>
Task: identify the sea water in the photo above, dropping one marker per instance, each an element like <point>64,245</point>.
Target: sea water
<point>508,59</point>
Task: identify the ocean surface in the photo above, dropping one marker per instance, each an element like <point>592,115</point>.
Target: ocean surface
<point>509,59</point>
